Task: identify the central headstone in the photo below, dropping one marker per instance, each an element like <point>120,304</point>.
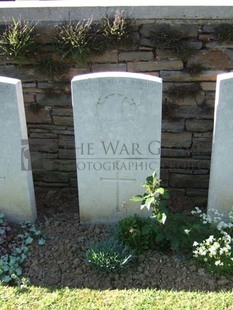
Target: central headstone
<point>17,199</point>
<point>221,174</point>
<point>117,119</point>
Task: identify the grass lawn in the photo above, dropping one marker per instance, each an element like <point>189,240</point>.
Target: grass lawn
<point>66,298</point>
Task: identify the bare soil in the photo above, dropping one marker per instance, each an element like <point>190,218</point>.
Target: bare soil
<point>60,262</point>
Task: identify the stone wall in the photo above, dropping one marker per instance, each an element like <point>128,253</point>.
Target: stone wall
<point>187,119</point>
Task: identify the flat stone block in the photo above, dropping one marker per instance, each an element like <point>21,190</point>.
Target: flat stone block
<point>66,142</point>
<point>201,146</point>
<point>177,140</point>
<point>192,112</point>
<point>17,197</point>
<point>173,126</point>
<point>109,56</point>
<point>189,180</point>
<point>199,125</point>
<point>179,76</point>
<point>44,145</point>
<point>155,65</point>
<point>41,116</point>
<point>208,86</point>
<point>136,56</point>
<point>67,153</point>
<point>63,120</point>
<point>62,112</point>
<point>108,67</point>
<point>213,59</point>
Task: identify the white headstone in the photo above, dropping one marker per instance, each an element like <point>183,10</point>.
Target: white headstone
<point>17,199</point>
<point>117,119</point>
<point>221,173</point>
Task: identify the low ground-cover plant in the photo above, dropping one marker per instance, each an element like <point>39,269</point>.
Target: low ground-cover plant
<point>139,233</point>
<point>215,252</point>
<point>14,248</point>
<point>207,238</point>
<point>73,40</point>
<point>19,40</point>
<point>108,255</point>
<point>118,30</point>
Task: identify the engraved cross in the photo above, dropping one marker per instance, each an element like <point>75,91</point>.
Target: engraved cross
<point>117,180</point>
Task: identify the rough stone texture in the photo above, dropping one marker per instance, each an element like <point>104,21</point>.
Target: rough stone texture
<point>39,117</point>
<point>176,140</point>
<point>189,180</point>
<point>109,56</point>
<point>136,56</point>
<point>44,145</point>
<point>63,120</point>
<point>108,67</point>
<point>154,65</point>
<point>201,146</point>
<point>173,126</point>
<point>213,59</point>
<point>179,76</point>
<point>199,125</point>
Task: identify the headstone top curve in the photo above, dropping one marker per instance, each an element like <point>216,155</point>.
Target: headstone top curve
<point>118,74</point>
<point>225,76</point>
<point>8,80</point>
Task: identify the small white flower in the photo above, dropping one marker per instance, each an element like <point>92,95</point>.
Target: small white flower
<point>217,263</point>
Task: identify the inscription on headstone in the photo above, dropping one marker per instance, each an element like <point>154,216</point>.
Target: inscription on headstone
<point>17,200</point>
<point>221,173</point>
<point>117,119</point>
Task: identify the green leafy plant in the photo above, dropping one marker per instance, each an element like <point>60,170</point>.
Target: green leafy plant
<point>154,199</point>
<point>14,248</point>
<point>19,40</point>
<point>76,40</point>
<point>139,233</point>
<point>108,255</point>
<point>118,29</point>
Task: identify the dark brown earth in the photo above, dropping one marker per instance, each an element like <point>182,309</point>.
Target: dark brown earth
<point>60,262</point>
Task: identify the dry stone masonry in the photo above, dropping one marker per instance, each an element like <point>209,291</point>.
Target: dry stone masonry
<point>187,122</point>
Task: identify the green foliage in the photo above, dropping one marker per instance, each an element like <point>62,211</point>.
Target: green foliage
<point>118,30</point>
<point>139,233</point>
<point>19,40</point>
<point>224,33</point>
<point>108,255</point>
<point>74,40</point>
<point>154,199</point>
<point>14,248</point>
